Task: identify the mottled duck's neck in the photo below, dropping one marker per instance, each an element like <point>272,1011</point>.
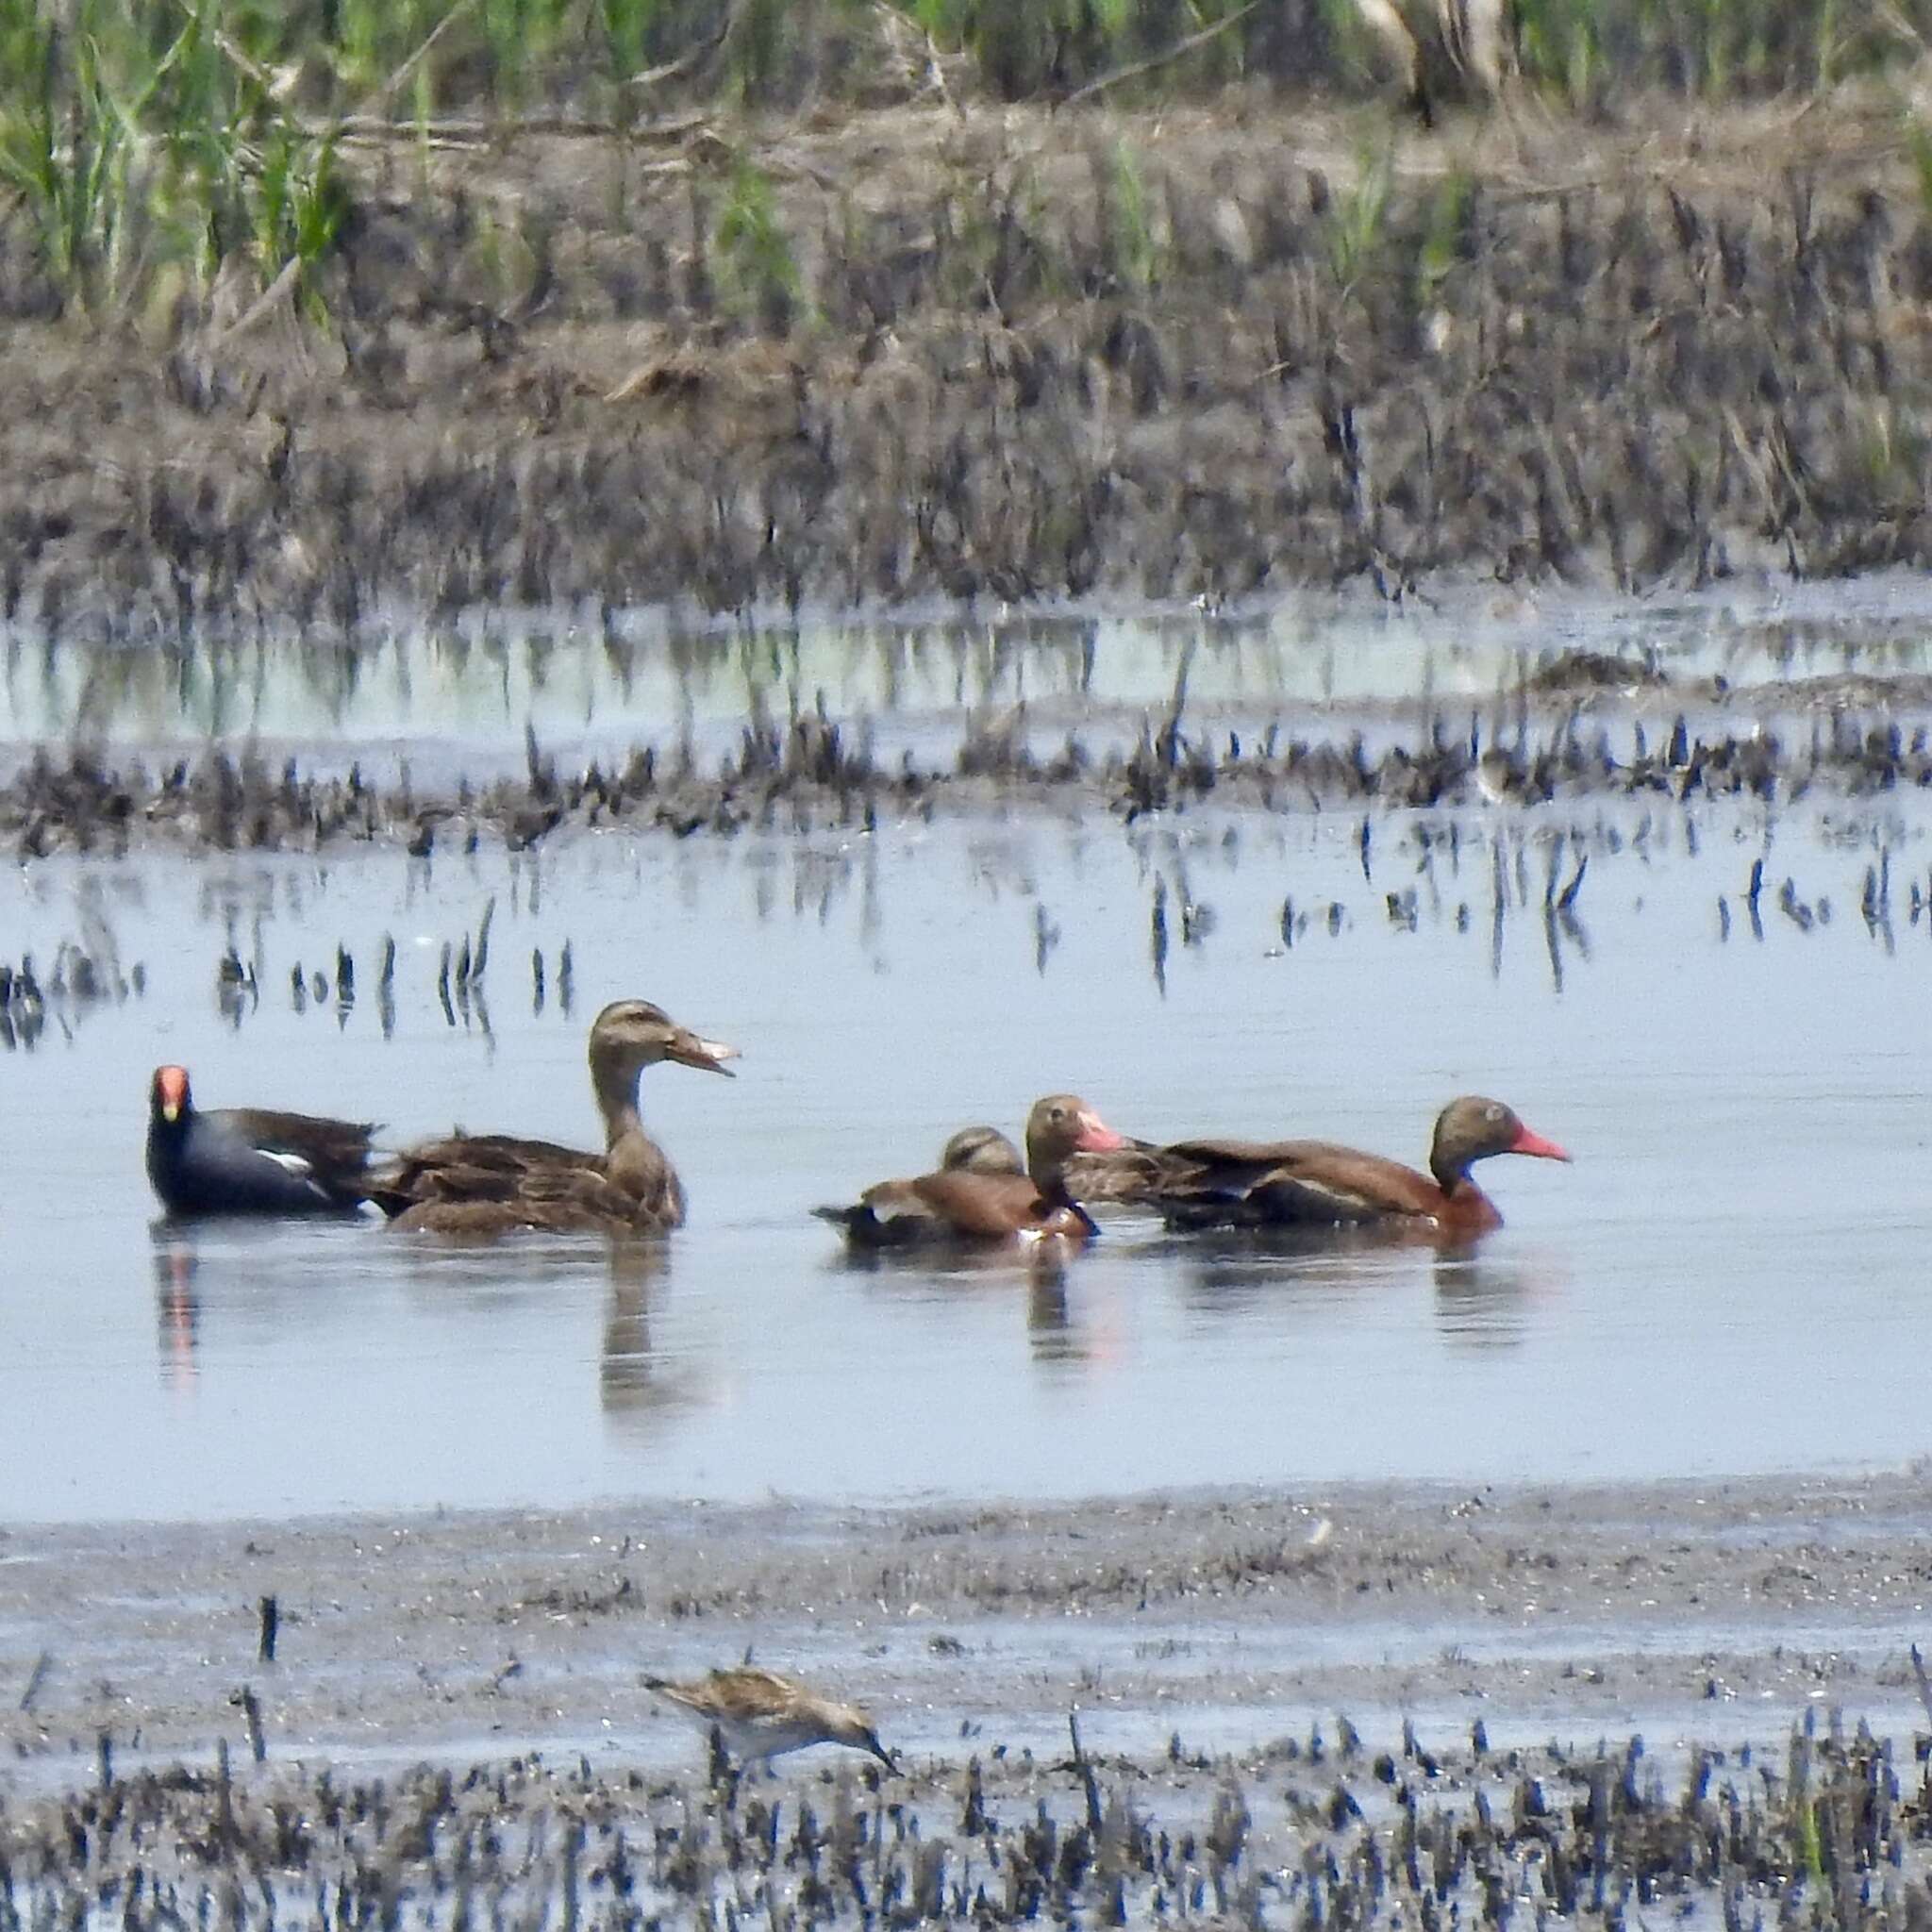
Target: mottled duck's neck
<point>616,1084</point>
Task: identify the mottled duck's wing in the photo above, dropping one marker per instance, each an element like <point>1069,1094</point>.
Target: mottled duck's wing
<point>471,1167</point>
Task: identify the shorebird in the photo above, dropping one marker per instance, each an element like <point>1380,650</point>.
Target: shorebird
<point>757,1714</point>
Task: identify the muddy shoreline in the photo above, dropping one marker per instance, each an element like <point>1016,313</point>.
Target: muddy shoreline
<point>1003,355</point>
<point>1261,1680</point>
<point>432,1633</point>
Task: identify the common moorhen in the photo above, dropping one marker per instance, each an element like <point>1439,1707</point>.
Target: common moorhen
<point>250,1159</point>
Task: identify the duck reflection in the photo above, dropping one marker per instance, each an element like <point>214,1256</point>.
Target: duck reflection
<point>219,1264</point>
<point>638,1385</point>
<point>929,1275</point>
<point>1483,1301</point>
<point>1228,1269</point>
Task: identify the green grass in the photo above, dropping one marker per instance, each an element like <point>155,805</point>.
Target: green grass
<point>144,139</point>
<point>758,276</point>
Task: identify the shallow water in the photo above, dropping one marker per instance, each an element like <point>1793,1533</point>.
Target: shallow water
<point>1727,1281</point>
<point>460,697</point>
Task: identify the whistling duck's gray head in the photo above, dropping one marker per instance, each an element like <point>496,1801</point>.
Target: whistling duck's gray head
<point>1473,1128</point>
<point>1063,1123</point>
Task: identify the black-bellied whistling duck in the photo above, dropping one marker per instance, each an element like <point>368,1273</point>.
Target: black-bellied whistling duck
<point>1212,1183</point>
<point>482,1184</point>
<point>955,1206</point>
<point>250,1159</point>
<point>757,1714</point>
<point>981,1150</point>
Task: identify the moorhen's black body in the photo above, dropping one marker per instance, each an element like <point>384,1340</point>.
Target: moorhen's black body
<point>483,1185</point>
<point>250,1159</point>
<point>959,1204</point>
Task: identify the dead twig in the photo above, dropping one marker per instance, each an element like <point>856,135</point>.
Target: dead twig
<point>35,1679</point>
<point>1924,1682</point>
<point>265,303</point>
<point>1084,1765</point>
<point>1134,70</point>
<point>414,60</point>
<point>467,131</point>
<point>691,59</point>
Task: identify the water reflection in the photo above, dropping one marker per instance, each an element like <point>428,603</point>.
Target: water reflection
<point>178,1306</point>
<point>1041,1272</point>
<point>1264,1274</point>
<point>244,1270</point>
<point>482,681</point>
<point>1266,1271</point>
<point>637,1389</point>
<point>1484,1301</point>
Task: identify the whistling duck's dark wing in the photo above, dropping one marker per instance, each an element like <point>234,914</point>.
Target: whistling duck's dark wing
<point>253,1161</point>
<point>1294,1183</point>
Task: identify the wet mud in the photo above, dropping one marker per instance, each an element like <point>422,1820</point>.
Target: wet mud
<point>1228,1703</point>
<point>1003,355</point>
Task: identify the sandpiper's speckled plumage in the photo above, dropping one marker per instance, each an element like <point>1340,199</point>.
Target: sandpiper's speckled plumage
<point>757,1714</point>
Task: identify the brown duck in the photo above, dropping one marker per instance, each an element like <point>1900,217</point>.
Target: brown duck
<point>250,1159</point>
<point>483,1185</point>
<point>1211,1183</point>
<point>959,1204</point>
<point>980,1150</point>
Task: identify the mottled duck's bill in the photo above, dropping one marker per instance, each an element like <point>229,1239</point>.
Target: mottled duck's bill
<point>688,1050</point>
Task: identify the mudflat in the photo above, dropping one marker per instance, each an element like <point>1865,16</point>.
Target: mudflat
<point>1255,1680</point>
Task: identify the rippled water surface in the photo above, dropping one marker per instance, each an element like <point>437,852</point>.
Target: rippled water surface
<point>1729,1279</point>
